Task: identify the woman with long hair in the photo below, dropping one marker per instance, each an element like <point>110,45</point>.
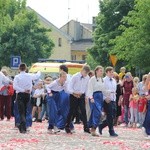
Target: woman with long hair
<point>95,89</point>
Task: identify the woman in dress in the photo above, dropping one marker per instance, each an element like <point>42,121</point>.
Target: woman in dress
<point>95,89</point>
<point>118,99</point>
<point>54,101</point>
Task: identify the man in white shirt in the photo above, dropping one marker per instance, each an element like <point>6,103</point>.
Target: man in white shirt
<point>77,89</point>
<point>109,101</point>
<point>23,86</point>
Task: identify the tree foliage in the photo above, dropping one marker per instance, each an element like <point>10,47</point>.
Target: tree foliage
<point>21,33</point>
<point>133,45</point>
<point>107,23</point>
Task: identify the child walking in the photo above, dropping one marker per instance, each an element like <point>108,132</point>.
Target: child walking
<point>142,104</point>
<point>44,112</point>
<point>38,96</point>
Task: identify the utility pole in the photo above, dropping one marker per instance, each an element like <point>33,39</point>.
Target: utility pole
<point>68,17</point>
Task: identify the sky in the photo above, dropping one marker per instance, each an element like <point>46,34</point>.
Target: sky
<point>57,12</point>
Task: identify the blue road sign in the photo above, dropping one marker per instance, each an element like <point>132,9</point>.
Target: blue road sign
<point>15,62</point>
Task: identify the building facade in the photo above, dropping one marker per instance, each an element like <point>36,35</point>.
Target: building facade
<point>81,35</point>
<point>71,41</point>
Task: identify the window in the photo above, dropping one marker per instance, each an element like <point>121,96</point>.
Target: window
<point>73,57</point>
<point>94,20</point>
<point>83,57</point>
<point>59,42</point>
<point>93,28</point>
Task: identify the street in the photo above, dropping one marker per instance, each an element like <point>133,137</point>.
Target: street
<point>39,139</point>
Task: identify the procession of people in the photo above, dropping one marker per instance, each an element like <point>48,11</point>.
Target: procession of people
<point>101,101</point>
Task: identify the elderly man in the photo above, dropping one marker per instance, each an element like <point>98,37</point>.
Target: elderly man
<point>5,98</point>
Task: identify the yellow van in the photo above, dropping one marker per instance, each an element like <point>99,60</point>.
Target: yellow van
<point>52,68</point>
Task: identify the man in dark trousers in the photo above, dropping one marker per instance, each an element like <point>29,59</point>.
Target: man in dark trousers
<point>109,102</point>
<point>23,86</point>
<point>77,89</point>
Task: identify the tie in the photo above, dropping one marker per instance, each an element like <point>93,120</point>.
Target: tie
<point>110,79</point>
<point>82,77</point>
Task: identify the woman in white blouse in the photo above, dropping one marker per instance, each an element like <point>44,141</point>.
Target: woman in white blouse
<point>95,89</point>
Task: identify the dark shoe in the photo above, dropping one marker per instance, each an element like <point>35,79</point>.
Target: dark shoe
<point>46,118</point>
<point>114,135</point>
<point>67,130</point>
<point>87,130</point>
<point>2,119</point>
<point>23,132</point>
<point>22,129</point>
<point>39,120</point>
<point>100,129</point>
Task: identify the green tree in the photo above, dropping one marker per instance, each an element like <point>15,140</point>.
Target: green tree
<point>133,44</point>
<point>107,23</point>
<point>22,34</point>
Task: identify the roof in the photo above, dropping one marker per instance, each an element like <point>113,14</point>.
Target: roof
<point>50,24</point>
<point>81,45</point>
<point>87,26</point>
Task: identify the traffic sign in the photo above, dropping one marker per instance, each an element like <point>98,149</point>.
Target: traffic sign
<point>15,62</point>
<point>113,60</point>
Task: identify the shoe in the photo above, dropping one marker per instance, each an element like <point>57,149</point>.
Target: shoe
<point>68,130</point>
<point>50,131</point>
<point>114,135</point>
<point>56,130</point>
<point>144,132</point>
<point>138,125</point>
<point>43,119</point>
<point>23,131</point>
<point>39,120</point>
<point>94,134</point>
<point>130,125</point>
<point>46,118</point>
<point>87,130</point>
<point>2,119</point>
<point>147,137</point>
<point>28,129</point>
<point>33,119</point>
<point>100,129</point>
<point>73,131</point>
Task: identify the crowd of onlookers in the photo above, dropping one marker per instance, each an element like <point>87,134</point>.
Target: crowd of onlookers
<point>133,104</point>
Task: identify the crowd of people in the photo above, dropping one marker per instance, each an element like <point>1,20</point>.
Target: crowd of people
<point>87,97</point>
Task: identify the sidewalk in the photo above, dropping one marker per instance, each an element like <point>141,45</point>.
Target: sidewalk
<point>38,139</point>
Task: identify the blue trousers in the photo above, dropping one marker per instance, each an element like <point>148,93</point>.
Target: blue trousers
<point>64,110</point>
<point>146,123</point>
<point>28,114</point>
<point>96,109</point>
<point>53,103</point>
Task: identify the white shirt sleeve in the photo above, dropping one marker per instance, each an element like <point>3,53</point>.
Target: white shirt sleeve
<point>71,84</point>
<point>49,87</point>
<point>36,76</point>
<point>90,88</point>
<point>105,92</point>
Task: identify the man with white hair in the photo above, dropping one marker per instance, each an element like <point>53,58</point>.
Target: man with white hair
<point>5,98</point>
